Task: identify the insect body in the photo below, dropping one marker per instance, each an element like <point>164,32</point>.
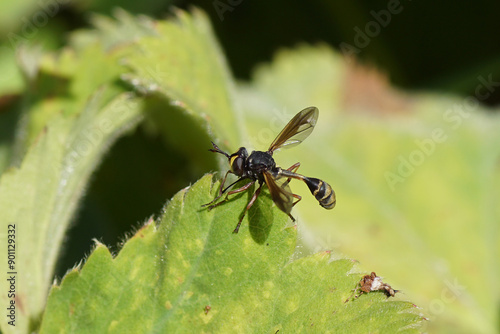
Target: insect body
<point>260,167</point>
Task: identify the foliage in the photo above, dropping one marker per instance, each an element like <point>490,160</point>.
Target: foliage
<point>191,272</point>
<point>433,233</point>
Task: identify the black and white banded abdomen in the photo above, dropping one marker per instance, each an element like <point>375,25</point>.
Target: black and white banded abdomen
<point>322,191</point>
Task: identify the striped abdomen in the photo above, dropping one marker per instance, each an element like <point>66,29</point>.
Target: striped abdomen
<point>322,191</point>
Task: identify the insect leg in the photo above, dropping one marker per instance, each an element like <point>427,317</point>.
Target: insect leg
<point>292,169</point>
<point>252,201</point>
<point>221,192</point>
<point>239,190</point>
<point>216,149</point>
<point>299,198</point>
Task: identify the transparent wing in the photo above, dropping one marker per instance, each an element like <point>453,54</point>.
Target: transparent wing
<point>280,192</point>
<point>298,129</point>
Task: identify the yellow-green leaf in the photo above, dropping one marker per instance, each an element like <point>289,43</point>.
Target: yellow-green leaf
<point>191,273</point>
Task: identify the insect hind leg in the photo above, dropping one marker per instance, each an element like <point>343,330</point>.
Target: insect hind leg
<point>299,198</point>
<point>293,168</point>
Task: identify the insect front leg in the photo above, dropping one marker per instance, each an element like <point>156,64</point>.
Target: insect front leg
<point>220,189</point>
<point>254,197</point>
<point>239,190</point>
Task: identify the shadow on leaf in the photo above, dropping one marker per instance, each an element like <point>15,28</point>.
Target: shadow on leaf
<point>260,216</point>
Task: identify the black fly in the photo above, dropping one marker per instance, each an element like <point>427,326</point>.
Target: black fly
<point>260,167</point>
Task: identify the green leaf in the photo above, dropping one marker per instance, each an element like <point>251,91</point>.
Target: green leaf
<point>12,13</point>
<point>179,67</point>
<point>191,272</point>
<point>11,80</point>
<point>117,32</point>
<point>41,195</point>
<point>63,83</point>
<point>183,62</point>
<point>172,272</point>
<point>64,143</point>
<point>416,178</point>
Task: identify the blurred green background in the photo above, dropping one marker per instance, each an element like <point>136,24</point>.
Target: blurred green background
<point>442,47</point>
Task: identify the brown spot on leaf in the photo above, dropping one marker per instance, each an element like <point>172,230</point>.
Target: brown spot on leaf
<point>369,90</point>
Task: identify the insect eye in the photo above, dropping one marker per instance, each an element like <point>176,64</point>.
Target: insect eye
<point>237,161</point>
<point>237,165</point>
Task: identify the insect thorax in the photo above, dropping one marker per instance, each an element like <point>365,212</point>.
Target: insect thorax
<point>258,162</point>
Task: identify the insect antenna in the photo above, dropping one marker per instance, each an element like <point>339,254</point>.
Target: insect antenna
<point>216,149</point>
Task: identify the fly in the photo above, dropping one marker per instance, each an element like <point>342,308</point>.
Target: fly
<point>260,167</point>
